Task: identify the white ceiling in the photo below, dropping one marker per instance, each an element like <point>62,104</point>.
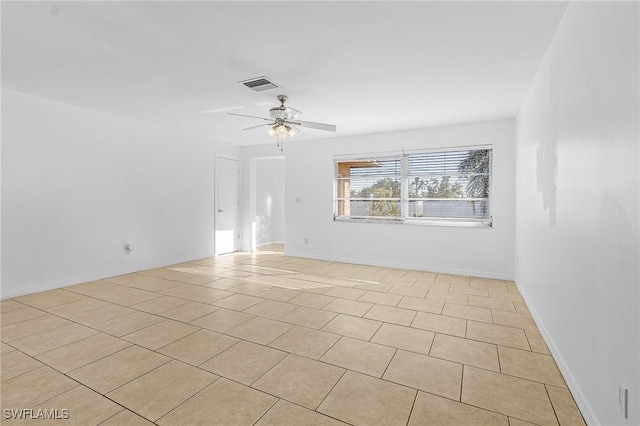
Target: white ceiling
<point>365,66</point>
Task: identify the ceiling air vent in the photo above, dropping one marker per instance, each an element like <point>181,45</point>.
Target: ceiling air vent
<point>259,84</point>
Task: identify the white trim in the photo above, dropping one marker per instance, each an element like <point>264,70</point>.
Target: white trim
<point>429,221</point>
<point>364,156</point>
<point>461,223</point>
<point>409,266</point>
<point>253,184</point>
<point>370,219</point>
<point>215,201</point>
<point>101,276</point>
<point>581,401</point>
<point>227,156</point>
<point>450,148</point>
<point>270,243</point>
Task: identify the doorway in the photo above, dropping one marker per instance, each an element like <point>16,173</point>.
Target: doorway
<point>267,203</point>
<point>227,199</point>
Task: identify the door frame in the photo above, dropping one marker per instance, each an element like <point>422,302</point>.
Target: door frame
<point>216,201</point>
<point>252,208</point>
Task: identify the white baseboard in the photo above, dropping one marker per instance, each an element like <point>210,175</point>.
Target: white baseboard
<point>107,274</point>
<point>427,268</point>
<point>581,401</point>
<point>269,243</point>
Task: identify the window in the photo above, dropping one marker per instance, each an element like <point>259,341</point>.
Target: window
<point>444,186</point>
<point>369,188</point>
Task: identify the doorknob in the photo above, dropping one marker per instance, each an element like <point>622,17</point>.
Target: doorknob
<point>220,210</point>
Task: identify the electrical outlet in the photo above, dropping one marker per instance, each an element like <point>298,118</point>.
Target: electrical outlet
<point>306,241</point>
<point>623,397</point>
<point>298,199</point>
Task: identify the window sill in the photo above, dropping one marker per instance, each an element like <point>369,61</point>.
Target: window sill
<point>461,223</point>
<point>394,221</point>
<point>420,222</point>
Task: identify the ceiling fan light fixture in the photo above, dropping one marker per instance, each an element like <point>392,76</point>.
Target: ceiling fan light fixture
<point>283,122</point>
<point>277,113</point>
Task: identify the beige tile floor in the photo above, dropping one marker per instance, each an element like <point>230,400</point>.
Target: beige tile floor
<point>262,338</point>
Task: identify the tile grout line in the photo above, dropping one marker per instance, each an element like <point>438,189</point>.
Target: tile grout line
<point>89,387</point>
<point>415,398</point>
<point>331,390</point>
<point>191,397</point>
<point>126,383</point>
<point>462,383</point>
<point>110,417</point>
<point>189,300</point>
<point>266,412</point>
<point>331,347</point>
<point>553,407</point>
<point>432,342</point>
<point>388,364</point>
<point>77,341</point>
<point>219,353</point>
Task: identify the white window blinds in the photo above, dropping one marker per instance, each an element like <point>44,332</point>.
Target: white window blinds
<point>446,185</point>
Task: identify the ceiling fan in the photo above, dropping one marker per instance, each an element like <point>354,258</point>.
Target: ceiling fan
<point>284,122</point>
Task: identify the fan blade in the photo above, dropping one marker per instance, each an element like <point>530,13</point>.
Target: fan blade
<point>259,125</point>
<point>250,116</point>
<point>312,125</point>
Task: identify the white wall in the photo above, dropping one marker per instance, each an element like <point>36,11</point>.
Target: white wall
<point>78,184</point>
<point>577,205</point>
<point>269,215</point>
<point>475,251</point>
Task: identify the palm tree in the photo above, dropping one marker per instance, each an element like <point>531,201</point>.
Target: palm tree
<point>416,187</point>
<point>477,165</point>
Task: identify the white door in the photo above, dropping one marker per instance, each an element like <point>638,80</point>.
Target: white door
<point>227,205</point>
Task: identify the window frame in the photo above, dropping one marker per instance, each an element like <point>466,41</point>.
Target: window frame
<point>369,159</point>
<point>404,177</point>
